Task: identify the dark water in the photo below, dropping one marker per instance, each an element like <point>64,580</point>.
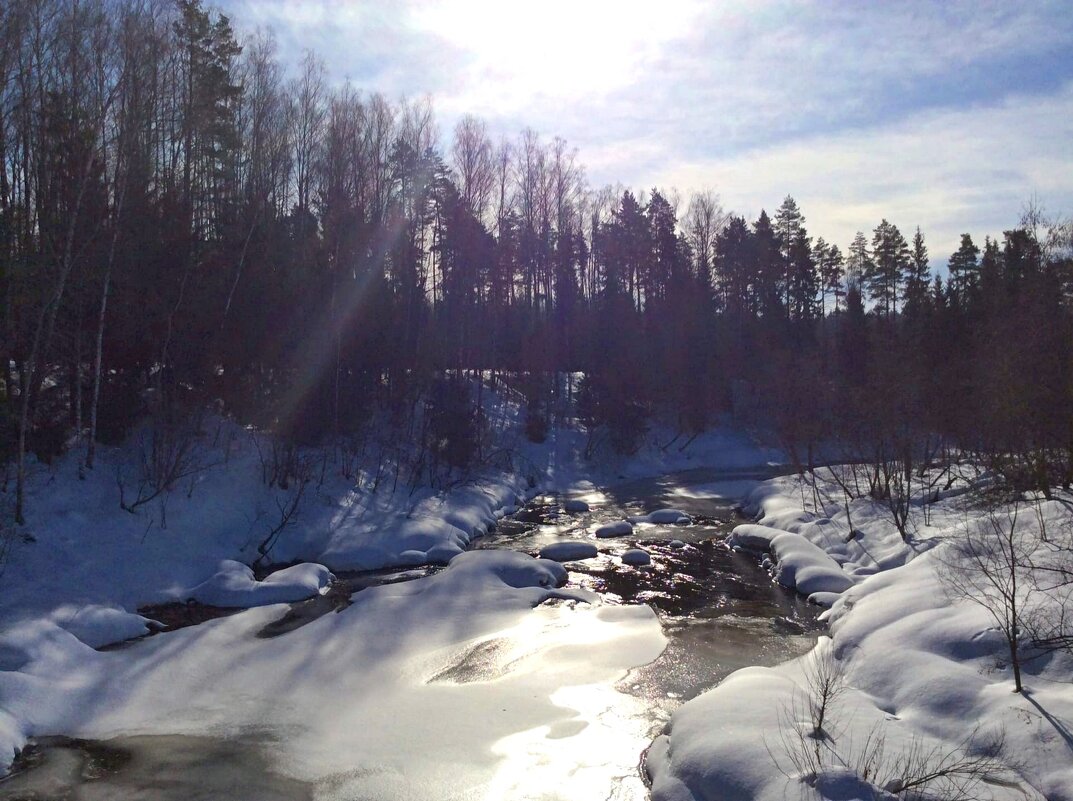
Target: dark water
<point>149,768</point>
<point>720,611</point>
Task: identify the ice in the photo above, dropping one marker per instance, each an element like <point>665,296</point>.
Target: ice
<point>413,685</point>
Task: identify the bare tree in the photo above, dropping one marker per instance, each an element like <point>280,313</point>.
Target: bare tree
<point>987,565</point>
<point>306,115</point>
<point>472,154</point>
<point>704,220</point>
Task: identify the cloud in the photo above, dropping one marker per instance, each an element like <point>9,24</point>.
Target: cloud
<point>948,171</point>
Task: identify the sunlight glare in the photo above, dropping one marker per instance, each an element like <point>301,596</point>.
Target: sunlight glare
<point>568,50</point>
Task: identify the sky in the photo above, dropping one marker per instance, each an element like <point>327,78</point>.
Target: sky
<point>950,116</point>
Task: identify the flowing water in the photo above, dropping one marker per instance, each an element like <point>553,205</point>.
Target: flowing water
<point>719,611</point>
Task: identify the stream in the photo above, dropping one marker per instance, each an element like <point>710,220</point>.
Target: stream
<point>719,610</point>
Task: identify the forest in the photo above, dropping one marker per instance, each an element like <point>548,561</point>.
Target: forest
<point>186,225</point>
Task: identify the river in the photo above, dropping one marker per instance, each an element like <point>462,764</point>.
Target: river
<point>718,609</point>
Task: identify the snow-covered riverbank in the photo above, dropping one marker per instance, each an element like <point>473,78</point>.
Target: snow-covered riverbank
<point>350,698</point>
<point>923,672</point>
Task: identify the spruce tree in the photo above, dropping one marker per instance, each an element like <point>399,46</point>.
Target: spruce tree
<point>963,268</point>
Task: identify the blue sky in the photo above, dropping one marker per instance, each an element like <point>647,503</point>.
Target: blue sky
<point>946,115</point>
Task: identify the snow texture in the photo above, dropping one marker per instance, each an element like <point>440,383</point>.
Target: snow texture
<point>98,626</point>
<point>454,667</point>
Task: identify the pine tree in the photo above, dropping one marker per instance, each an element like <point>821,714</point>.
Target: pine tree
<point>735,268</point>
<point>832,271</point>
<point>767,267</point>
<point>963,268</point>
<point>858,262</point>
<point>918,274</point>
<point>789,223</point>
<point>890,260</point>
<point>803,280</point>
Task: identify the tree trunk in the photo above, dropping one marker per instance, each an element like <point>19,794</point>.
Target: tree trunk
<point>46,322</point>
<point>91,445</point>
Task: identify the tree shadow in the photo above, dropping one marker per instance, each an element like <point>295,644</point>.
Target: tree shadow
<point>1059,725</point>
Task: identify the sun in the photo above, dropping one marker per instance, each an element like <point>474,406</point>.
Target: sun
<point>514,53</point>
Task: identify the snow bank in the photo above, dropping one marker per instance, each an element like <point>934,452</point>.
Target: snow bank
<point>620,528</point>
<point>568,551</point>
<point>97,625</point>
<point>921,669</point>
<point>753,537</point>
<point>233,585</point>
<point>438,525</point>
<point>800,564</point>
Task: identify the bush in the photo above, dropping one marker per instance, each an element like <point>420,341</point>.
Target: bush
<point>536,424</point>
<point>452,423</point>
<point>626,418</point>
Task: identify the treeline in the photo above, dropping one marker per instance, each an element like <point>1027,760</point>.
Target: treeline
<point>181,222</point>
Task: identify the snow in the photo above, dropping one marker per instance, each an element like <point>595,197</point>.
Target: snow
<point>636,557</point>
<point>921,668</point>
<point>524,688</point>
<point>233,585</point>
<point>800,565</point>
<point>619,528</point>
<point>568,551</point>
<point>454,667</point>
<point>498,677</point>
<point>664,517</point>
<point>97,625</point>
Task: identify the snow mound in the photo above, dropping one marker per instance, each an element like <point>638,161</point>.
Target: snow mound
<point>514,569</point>
<point>619,528</point>
<point>636,557</point>
<point>568,551</point>
<point>98,626</point>
<point>575,505</point>
<point>664,517</point>
<point>824,598</point>
<point>806,567</point>
<point>233,585</point>
<point>800,564</point>
<point>752,537</point>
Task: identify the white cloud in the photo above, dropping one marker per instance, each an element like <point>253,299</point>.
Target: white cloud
<point>948,171</point>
